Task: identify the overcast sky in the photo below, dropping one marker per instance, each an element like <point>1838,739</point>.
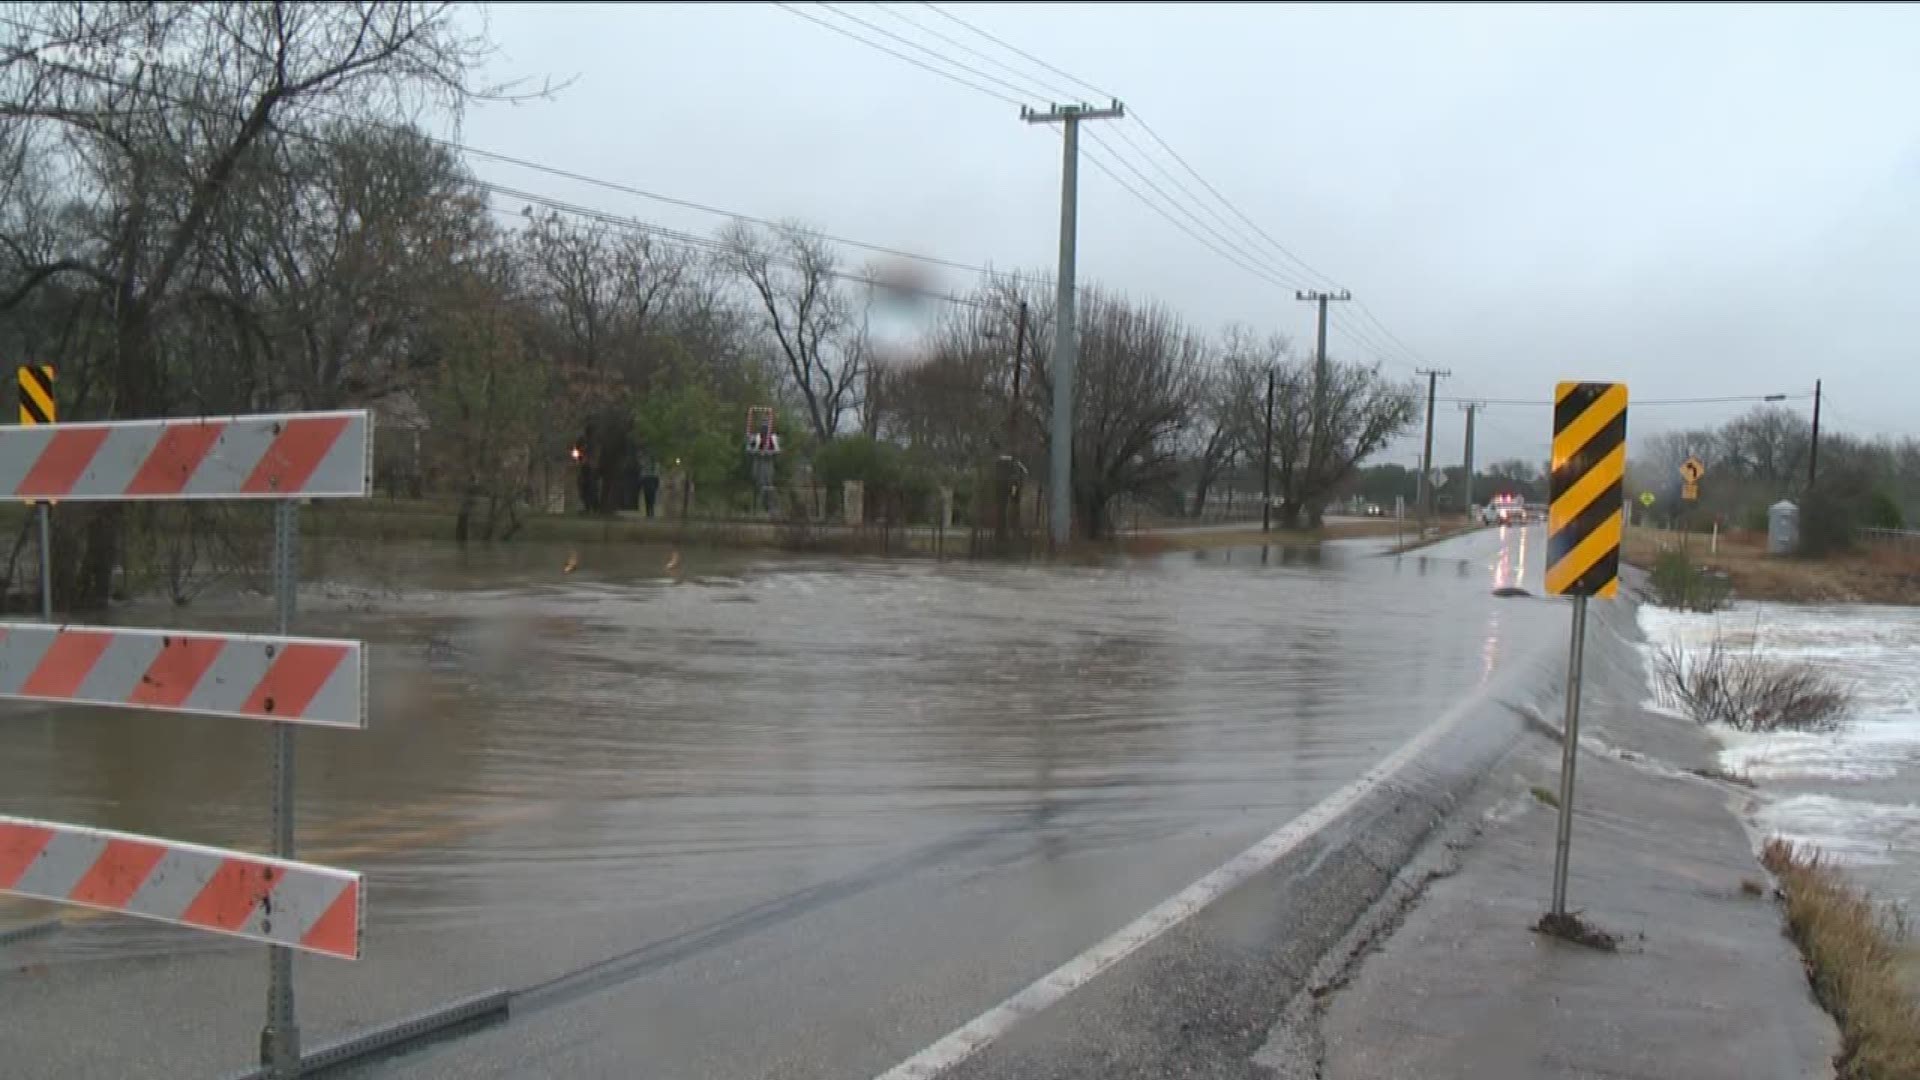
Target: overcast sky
<point>1699,201</point>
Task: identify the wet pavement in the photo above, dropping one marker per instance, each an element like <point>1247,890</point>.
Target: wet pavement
<point>1704,983</point>
<point>742,815</point>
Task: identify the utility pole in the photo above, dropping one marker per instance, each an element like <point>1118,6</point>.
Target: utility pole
<point>1266,464</point>
<point>1470,408</point>
<point>1066,344</point>
<point>1316,446</point>
<point>1813,450</point>
<point>1434,375</point>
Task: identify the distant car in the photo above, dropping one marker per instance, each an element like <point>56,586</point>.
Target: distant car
<point>1504,512</point>
<point>1373,510</point>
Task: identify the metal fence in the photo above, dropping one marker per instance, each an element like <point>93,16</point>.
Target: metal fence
<point>1892,539</point>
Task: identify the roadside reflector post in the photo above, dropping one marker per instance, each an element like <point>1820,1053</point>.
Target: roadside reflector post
<point>1569,754</point>
<point>1585,515</point>
<point>38,407</point>
<point>286,681</point>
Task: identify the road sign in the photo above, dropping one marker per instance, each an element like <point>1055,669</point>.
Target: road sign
<point>1585,509</point>
<point>38,407</point>
<point>303,455</point>
<point>1439,479</point>
<point>1689,491</point>
<point>36,395</point>
<point>1646,498</point>
<point>1692,469</point>
<point>296,680</point>
<point>1583,554</point>
<point>299,905</point>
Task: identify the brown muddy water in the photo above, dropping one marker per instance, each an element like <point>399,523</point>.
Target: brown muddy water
<point>656,727</point>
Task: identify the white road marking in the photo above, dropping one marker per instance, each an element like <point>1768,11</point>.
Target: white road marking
<point>990,1026</point>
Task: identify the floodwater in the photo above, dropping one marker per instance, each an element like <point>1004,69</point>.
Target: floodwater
<point>564,764</point>
<point>1854,792</point>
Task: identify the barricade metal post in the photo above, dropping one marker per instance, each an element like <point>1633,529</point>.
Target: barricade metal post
<point>280,1038</point>
<point>46,565</point>
<point>282,680</point>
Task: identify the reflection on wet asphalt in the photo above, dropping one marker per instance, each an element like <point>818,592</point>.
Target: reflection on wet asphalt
<point>625,736</point>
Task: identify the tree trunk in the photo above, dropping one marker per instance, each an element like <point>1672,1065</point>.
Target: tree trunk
<point>1200,496</point>
<point>136,396</point>
<point>1093,514</point>
<point>1289,517</point>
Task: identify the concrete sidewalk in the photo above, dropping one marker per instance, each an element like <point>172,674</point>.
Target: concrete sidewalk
<point>1704,984</point>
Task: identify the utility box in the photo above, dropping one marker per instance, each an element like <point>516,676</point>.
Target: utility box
<point>1783,528</point>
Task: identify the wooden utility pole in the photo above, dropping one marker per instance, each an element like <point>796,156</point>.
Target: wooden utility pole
<point>1813,450</point>
<point>1434,375</point>
<point>1266,463</point>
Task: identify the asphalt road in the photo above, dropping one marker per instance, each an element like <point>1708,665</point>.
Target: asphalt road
<point>752,819</point>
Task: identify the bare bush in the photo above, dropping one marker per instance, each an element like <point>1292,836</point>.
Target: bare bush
<point>1748,693</point>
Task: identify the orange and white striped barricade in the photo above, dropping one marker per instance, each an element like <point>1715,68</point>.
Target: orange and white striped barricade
<point>285,456</point>
<point>294,904</point>
<point>280,679</point>
<point>250,676</point>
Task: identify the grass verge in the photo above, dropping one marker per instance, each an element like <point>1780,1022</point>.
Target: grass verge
<point>1872,575</point>
<point>1678,582</point>
<point>1853,951</point>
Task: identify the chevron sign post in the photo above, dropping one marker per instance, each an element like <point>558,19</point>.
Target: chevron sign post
<point>280,679</point>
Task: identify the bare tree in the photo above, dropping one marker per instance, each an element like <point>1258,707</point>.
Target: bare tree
<point>166,103</point>
<point>1231,421</point>
<point>1364,411</point>
<point>794,276</point>
<point>1136,389</point>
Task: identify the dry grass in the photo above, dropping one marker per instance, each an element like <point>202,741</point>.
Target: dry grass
<point>1853,951</point>
<point>1872,575</point>
<point>1748,693</point>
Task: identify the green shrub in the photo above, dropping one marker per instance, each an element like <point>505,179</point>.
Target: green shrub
<point>1882,512</point>
<point>1678,583</point>
<point>1827,524</point>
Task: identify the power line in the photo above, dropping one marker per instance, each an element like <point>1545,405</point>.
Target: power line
<point>1286,253</point>
<point>1023,54</point>
<point>910,43</point>
<point>791,10</point>
<point>694,240</point>
<point>1050,88</point>
<point>509,159</point>
<point>1175,204</point>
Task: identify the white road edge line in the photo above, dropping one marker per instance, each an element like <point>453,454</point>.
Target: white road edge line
<point>990,1026</point>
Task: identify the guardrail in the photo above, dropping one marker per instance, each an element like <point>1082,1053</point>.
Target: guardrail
<point>279,679</point>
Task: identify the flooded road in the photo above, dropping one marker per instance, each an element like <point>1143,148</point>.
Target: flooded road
<point>752,815</point>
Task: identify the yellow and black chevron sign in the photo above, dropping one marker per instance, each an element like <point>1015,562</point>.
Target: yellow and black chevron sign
<point>1589,471</point>
<point>36,395</point>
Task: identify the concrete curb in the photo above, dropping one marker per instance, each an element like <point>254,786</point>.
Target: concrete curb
<point>1201,998</point>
